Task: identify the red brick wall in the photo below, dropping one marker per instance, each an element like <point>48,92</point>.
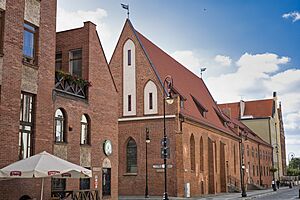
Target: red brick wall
<point>260,161</point>
<point>101,106</point>
<point>180,174</point>
<point>11,90</point>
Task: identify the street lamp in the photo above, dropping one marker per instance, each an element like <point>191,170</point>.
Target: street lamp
<point>291,155</point>
<point>147,142</point>
<point>168,84</point>
<point>241,146</point>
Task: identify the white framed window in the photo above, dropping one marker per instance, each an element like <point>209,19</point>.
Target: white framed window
<point>59,126</point>
<point>84,135</point>
<point>150,98</point>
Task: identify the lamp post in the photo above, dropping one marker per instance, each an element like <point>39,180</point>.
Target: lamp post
<point>147,142</point>
<point>168,84</point>
<point>275,146</point>
<point>244,194</point>
<point>291,155</point>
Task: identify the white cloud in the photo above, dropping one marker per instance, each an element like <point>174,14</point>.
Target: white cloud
<point>256,77</point>
<point>292,121</point>
<point>74,19</point>
<point>294,15</point>
<point>194,61</point>
<point>223,60</point>
<point>188,59</point>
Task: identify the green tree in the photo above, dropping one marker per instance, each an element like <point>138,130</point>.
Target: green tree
<point>294,167</point>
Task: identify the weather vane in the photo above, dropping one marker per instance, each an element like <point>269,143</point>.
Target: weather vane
<point>202,70</point>
<point>126,7</point>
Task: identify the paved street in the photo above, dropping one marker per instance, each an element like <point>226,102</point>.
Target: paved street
<point>282,193</point>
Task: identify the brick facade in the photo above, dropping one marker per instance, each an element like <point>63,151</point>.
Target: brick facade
<point>38,79</point>
<point>218,145</point>
<point>100,106</point>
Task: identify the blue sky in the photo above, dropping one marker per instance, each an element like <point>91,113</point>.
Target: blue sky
<point>251,45</point>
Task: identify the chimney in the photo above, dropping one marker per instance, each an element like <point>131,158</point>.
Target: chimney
<point>242,108</point>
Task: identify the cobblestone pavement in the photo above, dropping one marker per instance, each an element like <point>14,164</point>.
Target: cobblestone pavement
<point>282,193</point>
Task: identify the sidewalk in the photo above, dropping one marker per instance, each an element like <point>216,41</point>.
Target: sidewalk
<point>225,196</point>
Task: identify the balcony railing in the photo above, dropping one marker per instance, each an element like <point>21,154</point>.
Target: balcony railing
<point>76,195</point>
<point>70,85</point>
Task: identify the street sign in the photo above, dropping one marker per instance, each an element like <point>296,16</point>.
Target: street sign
<point>165,152</point>
<point>162,166</point>
<point>155,166</point>
<point>167,141</point>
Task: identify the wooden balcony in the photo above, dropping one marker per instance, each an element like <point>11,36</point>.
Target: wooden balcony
<point>76,195</point>
<point>73,86</point>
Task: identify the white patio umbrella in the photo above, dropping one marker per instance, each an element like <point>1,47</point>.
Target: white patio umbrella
<point>44,165</point>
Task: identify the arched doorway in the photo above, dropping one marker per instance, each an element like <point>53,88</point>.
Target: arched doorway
<point>106,177</point>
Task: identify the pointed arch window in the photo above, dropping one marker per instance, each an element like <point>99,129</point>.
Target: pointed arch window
<point>60,135</point>
<point>150,98</point>
<point>192,152</point>
<point>84,135</point>
<point>201,155</point>
<point>131,156</point>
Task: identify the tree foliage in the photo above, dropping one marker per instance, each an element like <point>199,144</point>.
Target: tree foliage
<point>294,167</point>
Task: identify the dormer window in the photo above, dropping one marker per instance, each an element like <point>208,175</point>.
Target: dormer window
<point>200,107</point>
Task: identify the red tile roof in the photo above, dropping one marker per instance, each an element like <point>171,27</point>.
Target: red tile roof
<point>256,108</point>
<point>187,84</point>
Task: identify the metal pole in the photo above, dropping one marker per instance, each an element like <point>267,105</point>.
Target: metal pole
<point>146,189</point>
<point>244,194</point>
<point>165,197</point>
<point>259,166</point>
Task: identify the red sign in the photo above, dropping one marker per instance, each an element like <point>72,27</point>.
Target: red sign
<point>15,173</point>
<point>50,173</point>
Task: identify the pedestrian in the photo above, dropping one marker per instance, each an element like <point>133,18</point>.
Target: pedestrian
<point>273,185</point>
<point>278,183</point>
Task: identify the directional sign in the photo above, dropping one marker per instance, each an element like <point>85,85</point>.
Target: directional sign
<point>162,166</point>
<point>167,141</point>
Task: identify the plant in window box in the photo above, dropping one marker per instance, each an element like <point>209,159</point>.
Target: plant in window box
<point>74,79</point>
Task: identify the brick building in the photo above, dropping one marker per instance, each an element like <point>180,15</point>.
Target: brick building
<point>42,109</point>
<point>264,117</point>
<point>26,84</point>
<point>85,103</point>
<point>204,149</point>
<point>257,156</point>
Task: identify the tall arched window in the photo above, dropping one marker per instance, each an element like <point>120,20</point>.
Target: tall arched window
<point>201,155</point>
<point>150,98</point>
<point>84,135</point>
<point>192,152</point>
<point>131,156</point>
<point>59,126</point>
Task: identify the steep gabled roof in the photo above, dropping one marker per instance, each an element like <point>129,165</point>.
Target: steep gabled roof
<point>186,83</point>
<point>257,108</point>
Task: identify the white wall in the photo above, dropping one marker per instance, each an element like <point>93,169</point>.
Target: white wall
<point>129,79</point>
<point>150,88</point>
